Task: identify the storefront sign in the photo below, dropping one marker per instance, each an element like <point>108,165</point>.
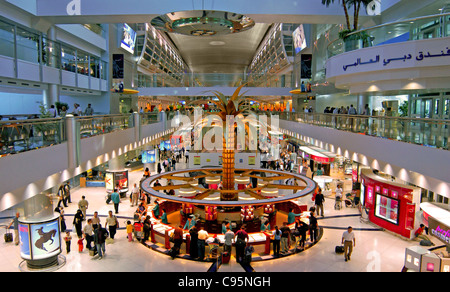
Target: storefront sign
<point>439,230</point>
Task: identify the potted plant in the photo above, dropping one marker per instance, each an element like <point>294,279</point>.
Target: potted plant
<point>352,40</point>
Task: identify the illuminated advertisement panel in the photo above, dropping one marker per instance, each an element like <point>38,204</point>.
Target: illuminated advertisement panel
<point>128,39</point>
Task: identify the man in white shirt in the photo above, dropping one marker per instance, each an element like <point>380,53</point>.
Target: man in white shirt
<point>202,237</point>
<point>135,196</point>
<point>348,240</point>
<point>52,111</point>
<point>88,231</point>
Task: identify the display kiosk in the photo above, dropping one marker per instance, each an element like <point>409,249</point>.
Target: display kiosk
<point>40,242</point>
<point>413,258</point>
<point>391,205</point>
<point>116,179</point>
<point>39,235</point>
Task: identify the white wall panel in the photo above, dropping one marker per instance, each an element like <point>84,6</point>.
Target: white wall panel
<point>7,67</point>
<point>68,78</point>
<point>50,75</point>
<point>28,71</point>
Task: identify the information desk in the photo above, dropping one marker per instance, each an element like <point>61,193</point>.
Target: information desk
<point>260,240</point>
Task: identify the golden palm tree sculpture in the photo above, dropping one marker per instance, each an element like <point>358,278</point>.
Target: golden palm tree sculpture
<point>230,107</point>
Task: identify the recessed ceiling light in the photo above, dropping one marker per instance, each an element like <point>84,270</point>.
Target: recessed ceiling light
<point>217,43</point>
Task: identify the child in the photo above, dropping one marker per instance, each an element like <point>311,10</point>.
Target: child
<point>80,244</point>
<point>129,231</point>
<point>67,239</point>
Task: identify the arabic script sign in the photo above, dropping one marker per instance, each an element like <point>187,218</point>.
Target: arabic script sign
<point>419,57</point>
<point>404,55</point>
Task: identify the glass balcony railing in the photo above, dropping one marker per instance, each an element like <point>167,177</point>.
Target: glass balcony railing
<point>426,132</point>
<point>24,135</point>
<point>428,27</point>
<point>103,124</point>
<point>18,136</point>
<point>212,80</point>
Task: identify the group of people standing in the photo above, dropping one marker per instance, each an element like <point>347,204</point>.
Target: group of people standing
<point>92,232</point>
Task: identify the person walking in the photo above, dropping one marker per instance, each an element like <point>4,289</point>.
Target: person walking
<point>95,220</point>
<point>135,195</point>
<point>62,196</point>
<point>276,241</point>
<point>348,240</point>
<point>83,204</point>
<point>67,193</point>
<point>159,168</point>
<point>313,228</point>
<point>318,201</point>
<point>62,220</point>
<point>88,231</point>
<point>112,224</point>
<point>147,228</point>
<point>15,224</point>
<point>285,233</point>
<point>100,235</point>
<point>115,197</point>
<point>77,220</point>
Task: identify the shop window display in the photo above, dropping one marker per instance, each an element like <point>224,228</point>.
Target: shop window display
<point>387,208</point>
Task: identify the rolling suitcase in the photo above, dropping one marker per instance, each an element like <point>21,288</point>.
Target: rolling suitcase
<point>226,257</point>
<point>339,249</point>
<point>8,236</point>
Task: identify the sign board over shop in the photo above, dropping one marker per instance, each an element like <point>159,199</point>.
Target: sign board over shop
<point>439,230</point>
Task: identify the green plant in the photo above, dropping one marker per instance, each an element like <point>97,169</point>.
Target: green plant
<point>44,127</point>
<point>346,4</point>
<point>59,106</point>
<point>403,109</point>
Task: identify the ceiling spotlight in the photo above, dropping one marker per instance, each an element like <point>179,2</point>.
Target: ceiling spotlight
<point>217,43</point>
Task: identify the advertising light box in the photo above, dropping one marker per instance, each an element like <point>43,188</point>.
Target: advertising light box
<point>299,39</point>
<point>149,156</point>
<point>128,39</point>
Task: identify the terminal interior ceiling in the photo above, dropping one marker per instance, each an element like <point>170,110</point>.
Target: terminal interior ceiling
<point>382,168</point>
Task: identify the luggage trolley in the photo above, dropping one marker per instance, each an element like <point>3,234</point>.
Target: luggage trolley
<point>138,230</point>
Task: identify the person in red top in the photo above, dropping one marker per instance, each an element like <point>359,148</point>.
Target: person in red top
<point>241,242</point>
<point>177,239</point>
<point>419,234</point>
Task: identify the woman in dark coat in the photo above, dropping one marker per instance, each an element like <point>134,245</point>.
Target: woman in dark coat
<point>193,248</point>
<point>159,168</point>
<point>77,220</point>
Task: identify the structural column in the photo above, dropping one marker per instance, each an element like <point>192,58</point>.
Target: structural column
<point>51,94</point>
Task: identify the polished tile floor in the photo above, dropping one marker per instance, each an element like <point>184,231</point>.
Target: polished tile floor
<point>375,251</point>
